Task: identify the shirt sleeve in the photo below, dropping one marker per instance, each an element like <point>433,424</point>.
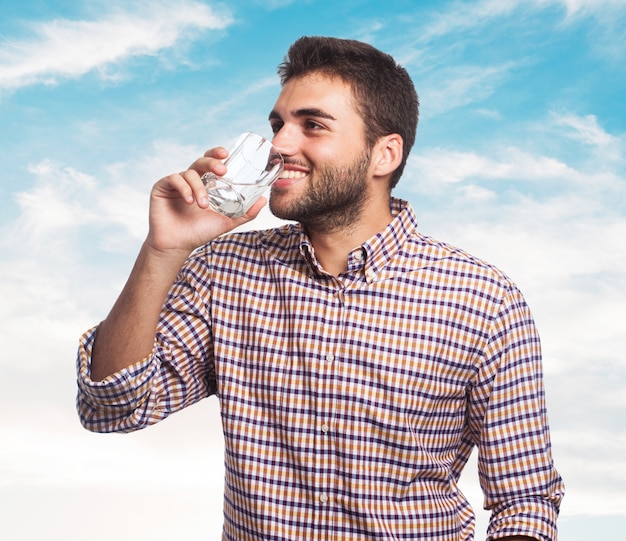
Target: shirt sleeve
<point>521,486</point>
<point>177,373</point>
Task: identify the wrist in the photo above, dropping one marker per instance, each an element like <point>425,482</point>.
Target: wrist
<point>153,251</point>
<point>160,266</point>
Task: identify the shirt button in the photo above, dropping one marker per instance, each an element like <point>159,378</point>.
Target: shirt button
<point>325,428</point>
<point>330,358</point>
<point>323,498</point>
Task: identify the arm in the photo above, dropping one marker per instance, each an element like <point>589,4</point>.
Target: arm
<point>508,413</point>
<point>180,221</point>
<point>127,334</point>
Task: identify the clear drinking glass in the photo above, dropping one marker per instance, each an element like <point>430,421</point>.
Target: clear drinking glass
<point>253,164</point>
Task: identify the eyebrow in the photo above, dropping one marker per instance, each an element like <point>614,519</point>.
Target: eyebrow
<point>312,111</point>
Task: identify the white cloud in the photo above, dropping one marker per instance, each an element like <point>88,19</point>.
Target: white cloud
<point>67,221</point>
<point>446,31</point>
<point>586,179</point>
<point>245,95</point>
<point>65,48</point>
<point>587,7</point>
<point>49,461</point>
<point>462,16</point>
<point>274,4</point>
<point>54,204</point>
<point>436,167</point>
<point>461,85</point>
<point>439,166</point>
<point>126,209</point>
<point>64,203</point>
<point>596,487</point>
<point>477,194</point>
<point>586,130</point>
<point>29,457</point>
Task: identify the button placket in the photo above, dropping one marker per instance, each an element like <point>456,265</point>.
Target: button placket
<point>329,343</point>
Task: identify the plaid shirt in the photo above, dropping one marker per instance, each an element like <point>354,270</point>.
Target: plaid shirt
<point>350,405</point>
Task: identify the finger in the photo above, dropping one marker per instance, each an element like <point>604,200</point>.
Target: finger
<point>211,161</point>
<point>173,186</point>
<point>218,152</point>
<point>209,165</point>
<point>195,188</point>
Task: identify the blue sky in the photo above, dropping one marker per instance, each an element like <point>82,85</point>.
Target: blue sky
<point>520,158</point>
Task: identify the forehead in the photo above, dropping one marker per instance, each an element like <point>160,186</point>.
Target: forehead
<point>317,91</point>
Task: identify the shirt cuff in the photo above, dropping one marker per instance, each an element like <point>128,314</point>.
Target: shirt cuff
<point>126,389</point>
<point>535,517</point>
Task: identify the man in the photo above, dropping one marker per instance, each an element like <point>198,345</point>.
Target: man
<point>357,362</point>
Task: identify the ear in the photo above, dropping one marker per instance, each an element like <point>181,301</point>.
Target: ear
<point>387,154</point>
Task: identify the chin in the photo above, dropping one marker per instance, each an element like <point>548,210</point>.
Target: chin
<point>278,206</point>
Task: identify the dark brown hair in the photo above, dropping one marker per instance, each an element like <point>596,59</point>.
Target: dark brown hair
<point>383,89</point>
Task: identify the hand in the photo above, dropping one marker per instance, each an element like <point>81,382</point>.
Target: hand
<point>180,216</point>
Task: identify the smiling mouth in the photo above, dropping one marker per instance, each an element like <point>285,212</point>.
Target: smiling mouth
<point>291,174</point>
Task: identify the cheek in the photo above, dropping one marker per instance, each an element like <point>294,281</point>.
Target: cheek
<point>320,153</point>
<point>336,156</point>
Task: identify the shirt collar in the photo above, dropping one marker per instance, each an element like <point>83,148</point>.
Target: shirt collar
<point>385,245</point>
<point>375,254</point>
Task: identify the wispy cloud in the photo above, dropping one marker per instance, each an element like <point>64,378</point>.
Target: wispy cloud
<point>443,32</point>
<point>587,131</point>
<point>64,48</point>
<point>587,160</point>
<point>458,86</point>
<point>437,167</point>
<point>64,204</point>
<point>599,8</point>
<point>53,205</point>
<point>242,96</point>
<point>463,16</point>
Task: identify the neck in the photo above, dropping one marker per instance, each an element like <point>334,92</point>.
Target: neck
<point>332,245</point>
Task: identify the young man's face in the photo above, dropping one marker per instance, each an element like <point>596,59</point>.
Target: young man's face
<point>320,134</point>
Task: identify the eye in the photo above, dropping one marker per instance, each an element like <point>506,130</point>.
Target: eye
<point>312,125</point>
<point>275,127</point>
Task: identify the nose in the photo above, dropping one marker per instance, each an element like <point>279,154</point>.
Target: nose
<point>284,142</point>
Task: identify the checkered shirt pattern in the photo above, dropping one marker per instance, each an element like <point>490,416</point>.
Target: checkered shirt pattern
<point>350,404</point>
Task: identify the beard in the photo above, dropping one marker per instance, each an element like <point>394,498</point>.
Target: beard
<point>333,200</point>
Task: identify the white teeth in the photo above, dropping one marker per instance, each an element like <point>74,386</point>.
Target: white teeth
<point>293,174</point>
